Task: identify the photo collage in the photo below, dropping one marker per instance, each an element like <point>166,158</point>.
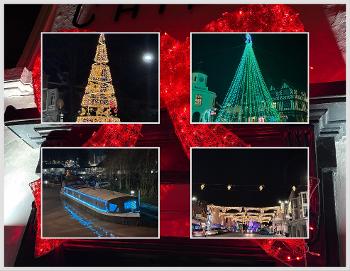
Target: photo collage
<point>199,135</point>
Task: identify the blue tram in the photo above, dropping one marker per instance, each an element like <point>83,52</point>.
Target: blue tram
<point>108,204</point>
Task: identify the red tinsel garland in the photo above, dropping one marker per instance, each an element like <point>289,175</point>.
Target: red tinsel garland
<point>175,95</point>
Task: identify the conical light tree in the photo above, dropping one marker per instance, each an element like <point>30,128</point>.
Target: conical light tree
<point>99,103</point>
<point>248,98</point>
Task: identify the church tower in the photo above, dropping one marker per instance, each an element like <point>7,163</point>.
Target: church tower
<point>203,100</point>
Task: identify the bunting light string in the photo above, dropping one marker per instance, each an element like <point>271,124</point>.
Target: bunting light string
<point>231,186</point>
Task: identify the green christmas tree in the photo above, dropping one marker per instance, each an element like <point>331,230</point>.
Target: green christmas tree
<point>248,98</point>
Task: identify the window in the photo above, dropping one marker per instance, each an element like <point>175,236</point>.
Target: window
<point>198,100</point>
<point>305,213</point>
<point>52,100</point>
<point>274,104</point>
<point>286,91</point>
<point>304,197</point>
<point>130,205</point>
<point>44,99</point>
<point>286,104</point>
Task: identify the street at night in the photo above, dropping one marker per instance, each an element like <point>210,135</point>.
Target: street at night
<point>261,193</point>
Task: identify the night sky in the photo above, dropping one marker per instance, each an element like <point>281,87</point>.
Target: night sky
<point>71,154</point>
<point>85,154</point>
<point>280,57</point>
<point>18,19</point>
<point>135,82</point>
<point>277,169</point>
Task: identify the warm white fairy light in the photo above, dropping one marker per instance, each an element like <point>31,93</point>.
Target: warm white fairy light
<point>99,103</point>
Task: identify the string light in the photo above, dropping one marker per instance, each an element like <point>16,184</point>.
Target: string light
<point>202,186</point>
<point>99,103</point>
<point>261,187</point>
<point>294,188</point>
<point>229,187</point>
<point>248,98</point>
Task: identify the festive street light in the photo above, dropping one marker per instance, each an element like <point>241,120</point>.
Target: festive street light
<point>294,188</point>
<point>202,186</point>
<point>194,198</point>
<point>261,187</point>
<point>229,187</point>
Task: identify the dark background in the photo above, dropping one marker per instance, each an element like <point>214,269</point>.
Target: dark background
<point>19,21</point>
<point>281,57</point>
<point>277,169</point>
<point>68,58</point>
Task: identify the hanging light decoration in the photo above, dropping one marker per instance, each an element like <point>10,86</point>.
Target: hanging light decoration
<point>202,186</point>
<point>261,188</point>
<point>229,187</point>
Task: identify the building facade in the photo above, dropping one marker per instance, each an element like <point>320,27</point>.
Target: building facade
<point>203,100</point>
<point>290,102</point>
<point>298,212</point>
<point>49,107</point>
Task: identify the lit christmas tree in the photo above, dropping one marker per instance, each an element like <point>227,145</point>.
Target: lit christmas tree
<point>99,103</point>
<point>248,99</point>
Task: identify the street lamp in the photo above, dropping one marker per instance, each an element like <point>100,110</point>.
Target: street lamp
<point>229,187</point>
<point>261,187</point>
<point>194,198</point>
<point>202,186</point>
<point>147,58</point>
<point>132,192</point>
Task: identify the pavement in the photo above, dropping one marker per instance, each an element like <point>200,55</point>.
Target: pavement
<point>241,235</point>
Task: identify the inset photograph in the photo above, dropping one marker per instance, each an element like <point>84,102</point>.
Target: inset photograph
<point>242,193</point>
<point>100,77</point>
<point>249,78</point>
<point>92,193</point>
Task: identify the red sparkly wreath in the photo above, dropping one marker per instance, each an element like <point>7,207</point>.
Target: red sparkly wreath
<point>175,59</point>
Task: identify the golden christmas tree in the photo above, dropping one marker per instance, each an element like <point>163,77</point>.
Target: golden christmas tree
<point>99,103</point>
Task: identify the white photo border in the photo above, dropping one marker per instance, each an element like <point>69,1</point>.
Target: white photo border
<point>97,238</point>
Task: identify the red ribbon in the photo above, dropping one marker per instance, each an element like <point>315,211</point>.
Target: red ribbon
<point>175,96</point>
